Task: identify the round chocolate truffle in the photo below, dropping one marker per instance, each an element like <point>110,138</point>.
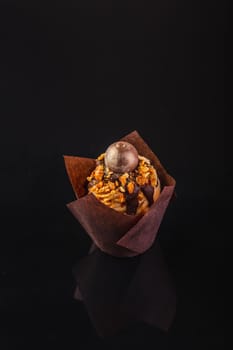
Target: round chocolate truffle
<point>121,157</point>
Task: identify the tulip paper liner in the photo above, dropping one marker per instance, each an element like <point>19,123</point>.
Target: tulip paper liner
<point>115,233</point>
<point>124,277</point>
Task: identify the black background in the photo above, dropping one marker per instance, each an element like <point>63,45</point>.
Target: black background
<point>76,76</point>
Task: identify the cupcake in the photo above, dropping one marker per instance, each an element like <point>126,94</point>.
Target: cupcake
<point>121,195</point>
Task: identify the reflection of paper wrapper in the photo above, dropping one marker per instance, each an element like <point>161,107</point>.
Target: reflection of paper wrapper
<point>124,277</point>
<point>113,232</point>
<point>120,291</point>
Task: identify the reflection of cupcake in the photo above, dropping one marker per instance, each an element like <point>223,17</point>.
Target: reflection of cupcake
<point>139,186</point>
<point>124,180</point>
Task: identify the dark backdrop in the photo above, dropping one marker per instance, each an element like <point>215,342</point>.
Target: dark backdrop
<point>76,76</point>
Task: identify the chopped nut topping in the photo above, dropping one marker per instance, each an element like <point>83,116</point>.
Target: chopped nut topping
<point>101,157</point>
<point>111,185</point>
<point>130,187</point>
<point>112,189</point>
<point>123,179</point>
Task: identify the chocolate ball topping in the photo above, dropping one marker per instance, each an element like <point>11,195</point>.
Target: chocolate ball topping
<point>121,157</point>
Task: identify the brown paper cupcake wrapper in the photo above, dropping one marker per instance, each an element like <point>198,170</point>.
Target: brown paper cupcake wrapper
<point>115,233</point>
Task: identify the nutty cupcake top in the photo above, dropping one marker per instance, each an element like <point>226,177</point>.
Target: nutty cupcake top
<point>124,180</point>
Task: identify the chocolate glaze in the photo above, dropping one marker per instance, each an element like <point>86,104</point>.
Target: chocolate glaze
<point>148,191</point>
<point>132,201</point>
<point>114,177</point>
